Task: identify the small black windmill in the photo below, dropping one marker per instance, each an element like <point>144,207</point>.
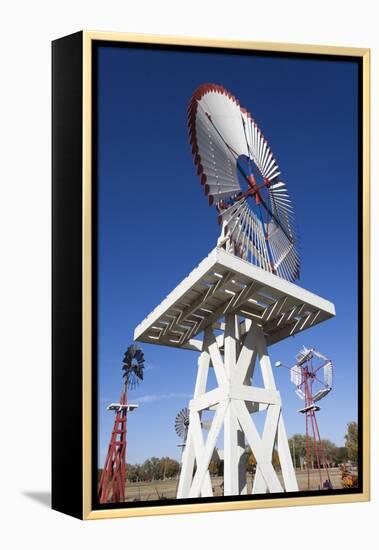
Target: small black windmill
<point>133,365</point>
<point>113,479</point>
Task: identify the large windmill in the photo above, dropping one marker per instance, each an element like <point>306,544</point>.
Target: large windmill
<point>113,478</point>
<point>237,302</point>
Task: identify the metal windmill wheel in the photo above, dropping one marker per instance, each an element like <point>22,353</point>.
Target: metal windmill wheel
<point>312,376</point>
<point>242,179</point>
<point>133,365</point>
<point>182,423</point>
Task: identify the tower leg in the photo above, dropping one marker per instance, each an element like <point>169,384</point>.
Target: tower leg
<point>234,439</point>
<point>276,421</point>
<point>194,440</point>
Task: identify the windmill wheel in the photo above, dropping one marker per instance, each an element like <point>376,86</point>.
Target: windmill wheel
<point>133,365</point>
<point>312,375</point>
<point>241,177</point>
<point>182,423</point>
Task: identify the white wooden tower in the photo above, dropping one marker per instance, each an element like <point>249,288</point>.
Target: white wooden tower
<point>240,310</point>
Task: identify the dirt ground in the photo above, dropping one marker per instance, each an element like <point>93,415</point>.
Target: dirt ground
<point>157,490</point>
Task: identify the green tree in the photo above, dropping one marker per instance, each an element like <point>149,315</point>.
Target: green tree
<point>168,468</point>
<point>275,459</point>
<point>216,465</point>
<point>134,473</point>
<point>173,467</point>
<point>251,462</point>
<point>297,449</point>
<point>341,455</point>
<point>330,450</point>
<point>297,445</point>
<point>150,469</point>
<point>351,441</point>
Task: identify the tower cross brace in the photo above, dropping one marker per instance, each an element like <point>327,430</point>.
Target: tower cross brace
<point>233,401</point>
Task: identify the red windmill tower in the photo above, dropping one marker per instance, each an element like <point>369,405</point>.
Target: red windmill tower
<point>312,376</point>
<point>113,479</point>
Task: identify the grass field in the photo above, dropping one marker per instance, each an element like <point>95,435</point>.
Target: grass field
<point>156,490</point>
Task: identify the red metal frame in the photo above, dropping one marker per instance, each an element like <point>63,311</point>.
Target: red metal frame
<point>312,433</point>
<point>113,479</point>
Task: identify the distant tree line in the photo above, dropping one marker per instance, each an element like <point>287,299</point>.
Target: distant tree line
<point>334,455</point>
<point>153,469</point>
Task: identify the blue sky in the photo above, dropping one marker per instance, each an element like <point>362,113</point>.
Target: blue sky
<point>155,224</point>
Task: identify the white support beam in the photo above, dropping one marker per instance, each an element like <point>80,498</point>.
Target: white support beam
<point>188,463</point>
<point>208,399</point>
<point>234,477</point>
<point>268,441</point>
<point>254,394</point>
<point>234,468</point>
<point>198,442</point>
<point>246,354</point>
<point>252,436</point>
<point>203,364</point>
<point>204,460</point>
<point>217,361</point>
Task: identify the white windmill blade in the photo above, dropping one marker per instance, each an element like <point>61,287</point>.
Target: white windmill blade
<point>328,374</point>
<point>235,164</point>
<point>304,354</point>
<point>296,376</point>
<point>281,206</point>
<point>320,355</point>
<point>320,394</point>
<point>240,224</point>
<point>286,259</point>
<point>278,185</point>
<point>300,393</point>
<point>222,117</point>
<point>212,156</point>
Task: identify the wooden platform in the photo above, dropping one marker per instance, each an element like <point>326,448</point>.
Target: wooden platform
<point>223,283</point>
